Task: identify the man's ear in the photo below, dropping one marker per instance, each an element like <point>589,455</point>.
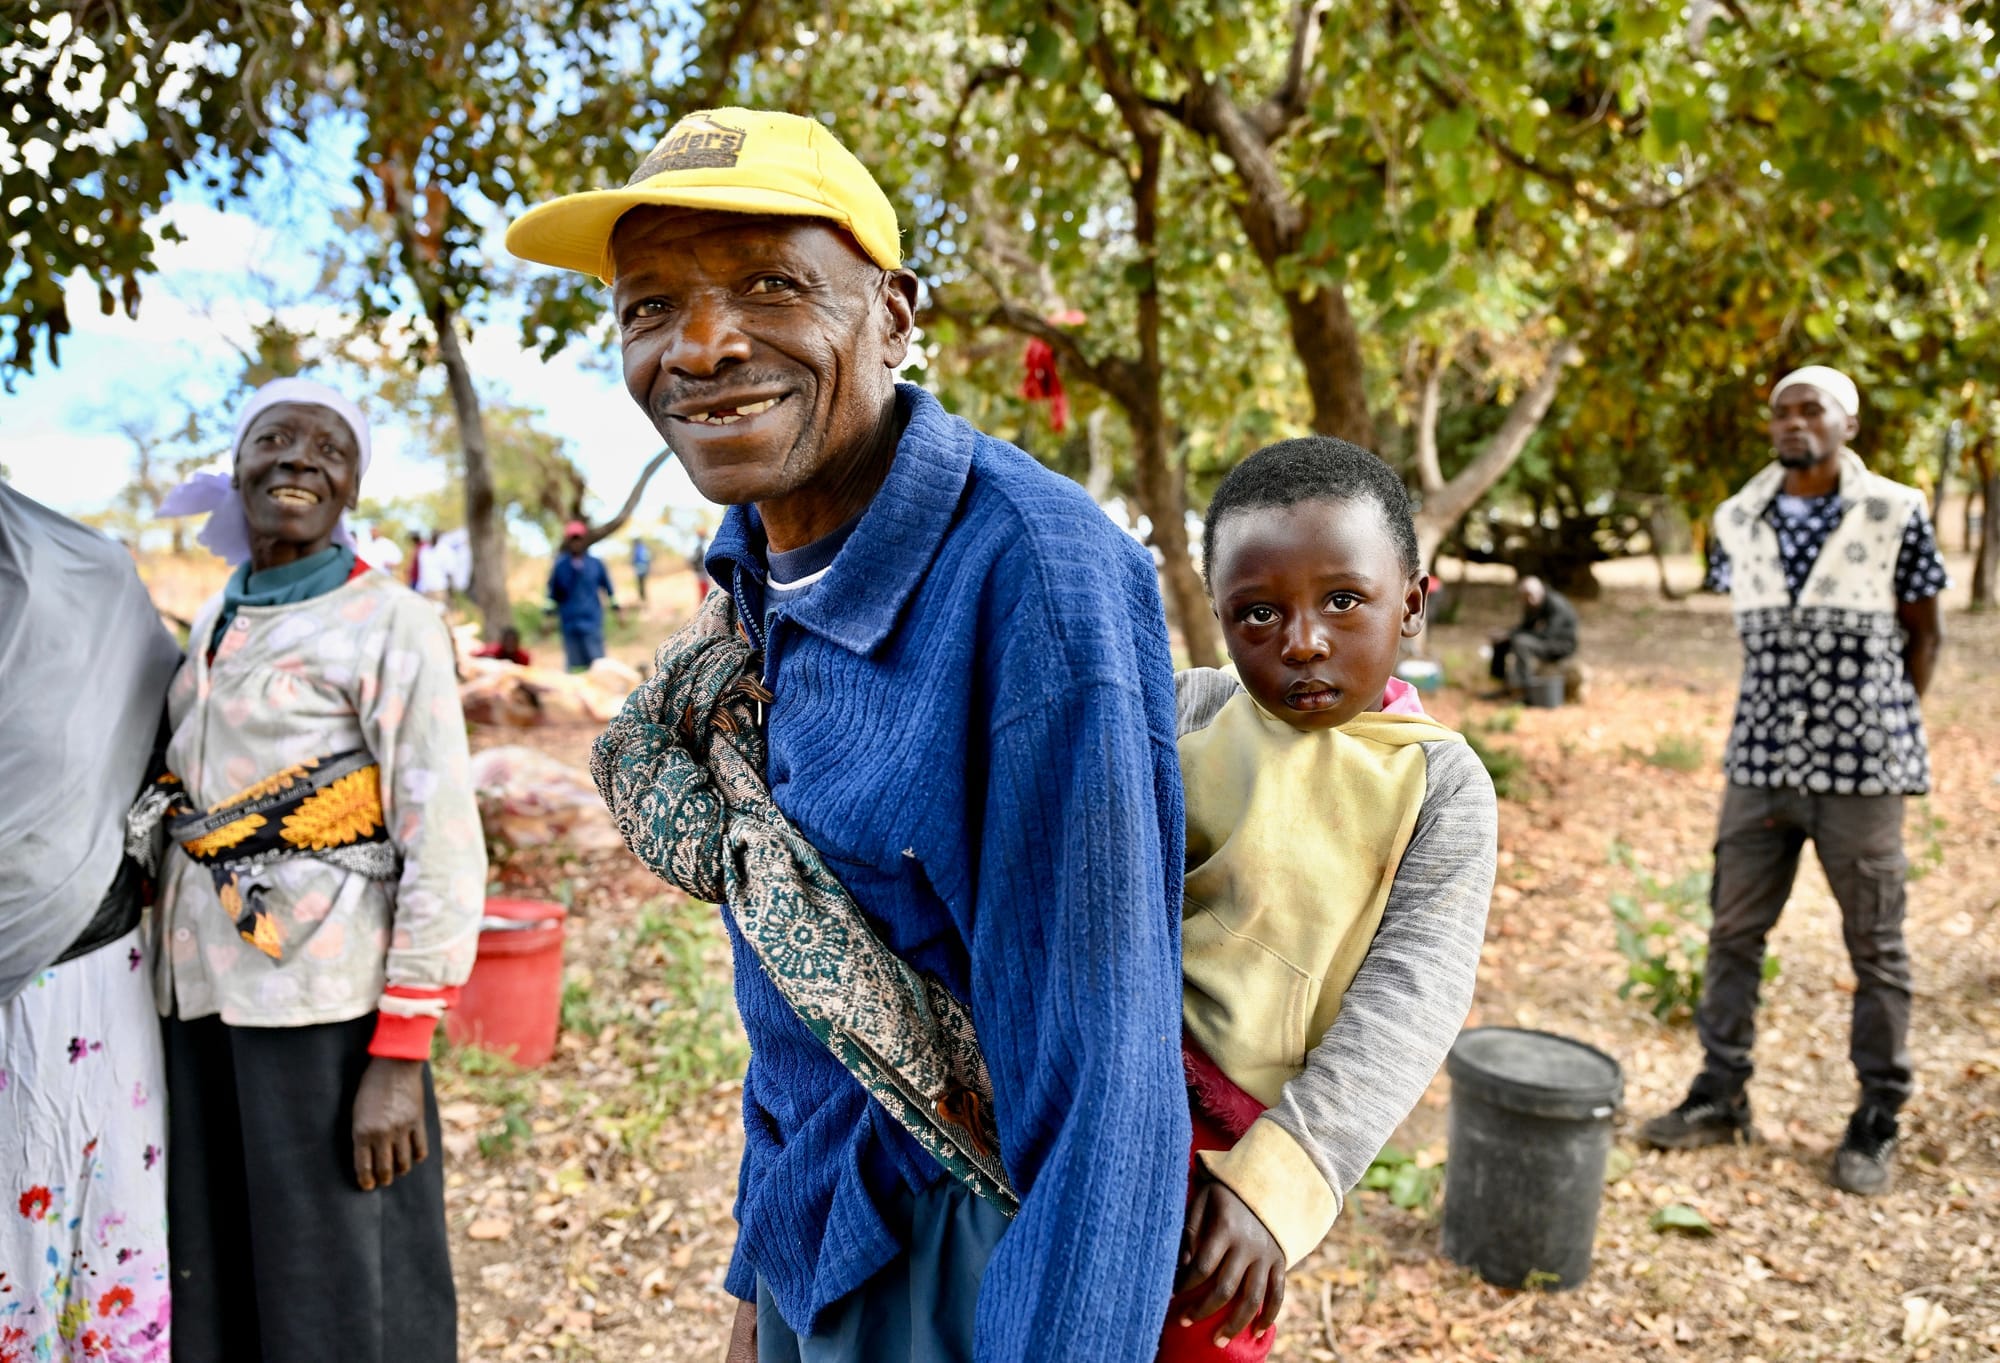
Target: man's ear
<point>1853,427</point>
<point>1415,602</point>
<point>899,317</point>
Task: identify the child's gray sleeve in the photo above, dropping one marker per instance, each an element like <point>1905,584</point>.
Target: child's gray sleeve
<point>1396,1022</point>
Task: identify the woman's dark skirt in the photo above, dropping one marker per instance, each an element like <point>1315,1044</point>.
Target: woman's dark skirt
<point>277,1253</point>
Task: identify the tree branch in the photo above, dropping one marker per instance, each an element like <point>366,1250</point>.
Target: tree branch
<point>617,522</point>
<point>1568,180</point>
<point>983,77</point>
<point>1503,447</point>
<point>1116,375</point>
<point>1286,104</point>
<point>735,40</point>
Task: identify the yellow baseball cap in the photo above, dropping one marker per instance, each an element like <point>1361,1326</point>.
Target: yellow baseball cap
<point>722,160</point>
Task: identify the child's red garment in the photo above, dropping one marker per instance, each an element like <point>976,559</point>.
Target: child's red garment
<point>1222,1112</point>
<point>518,656</point>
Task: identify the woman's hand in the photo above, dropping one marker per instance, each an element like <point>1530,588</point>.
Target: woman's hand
<point>743,1335</point>
<point>389,1137</point>
<point>1228,1258</point>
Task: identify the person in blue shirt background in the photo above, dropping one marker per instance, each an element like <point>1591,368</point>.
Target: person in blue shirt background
<point>575,584</point>
<point>971,719</point>
<point>642,566</point>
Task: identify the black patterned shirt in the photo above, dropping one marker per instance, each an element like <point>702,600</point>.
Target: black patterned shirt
<point>1826,704</point>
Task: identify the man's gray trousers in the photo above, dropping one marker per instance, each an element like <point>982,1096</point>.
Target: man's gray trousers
<point>1859,841</point>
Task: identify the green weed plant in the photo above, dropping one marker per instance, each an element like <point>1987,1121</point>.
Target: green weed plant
<point>1408,1184</point>
<point>1661,929</point>
<point>1929,841</point>
<point>1678,752</point>
<point>684,1041</point>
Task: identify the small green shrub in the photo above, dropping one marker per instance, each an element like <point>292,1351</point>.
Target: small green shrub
<point>1678,752</point>
<point>494,1080</point>
<point>1502,765</point>
<point>1662,932</point>
<point>1409,1185</point>
<point>1930,841</point>
<point>529,621</point>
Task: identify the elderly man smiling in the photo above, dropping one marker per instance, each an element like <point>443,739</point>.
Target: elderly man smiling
<point>970,718</point>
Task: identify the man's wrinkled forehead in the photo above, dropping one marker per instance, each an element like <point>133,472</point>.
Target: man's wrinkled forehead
<point>645,232</point>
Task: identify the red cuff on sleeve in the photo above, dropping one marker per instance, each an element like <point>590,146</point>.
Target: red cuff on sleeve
<point>402,1038</point>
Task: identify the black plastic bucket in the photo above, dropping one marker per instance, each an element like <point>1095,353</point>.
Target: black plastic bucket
<point>1545,692</point>
<point>1530,1129</point>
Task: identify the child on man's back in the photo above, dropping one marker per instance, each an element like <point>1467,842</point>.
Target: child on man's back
<point>1340,853</point>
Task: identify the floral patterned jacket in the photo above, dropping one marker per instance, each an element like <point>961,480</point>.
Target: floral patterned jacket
<point>366,666</point>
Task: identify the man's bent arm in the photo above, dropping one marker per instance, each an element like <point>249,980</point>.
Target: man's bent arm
<point>1077,998</point>
<point>1923,628</point>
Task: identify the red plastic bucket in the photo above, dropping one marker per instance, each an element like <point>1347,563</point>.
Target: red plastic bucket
<point>513,1002</point>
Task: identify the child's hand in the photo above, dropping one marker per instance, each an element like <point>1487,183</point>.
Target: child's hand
<point>1228,1259</point>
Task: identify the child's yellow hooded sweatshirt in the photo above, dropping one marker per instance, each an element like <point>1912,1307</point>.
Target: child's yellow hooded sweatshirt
<point>1294,844</point>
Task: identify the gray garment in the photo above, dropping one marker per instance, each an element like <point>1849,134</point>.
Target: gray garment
<point>1410,997</point>
<point>85,662</point>
<point>1519,658</point>
<point>1554,622</point>
<point>920,1307</point>
<point>1859,840</point>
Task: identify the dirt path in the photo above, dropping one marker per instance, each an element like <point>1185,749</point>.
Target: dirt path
<point>590,1202</point>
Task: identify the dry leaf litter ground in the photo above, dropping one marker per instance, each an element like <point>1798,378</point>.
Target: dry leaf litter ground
<point>589,1201</point>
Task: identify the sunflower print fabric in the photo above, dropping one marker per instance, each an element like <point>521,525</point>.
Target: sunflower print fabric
<point>681,770</point>
<point>324,805</point>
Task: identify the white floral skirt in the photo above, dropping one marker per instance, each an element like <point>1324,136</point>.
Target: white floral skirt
<point>83,1170</point>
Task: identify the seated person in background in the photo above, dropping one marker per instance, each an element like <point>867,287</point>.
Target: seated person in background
<point>1546,634</point>
<point>508,649</point>
<point>1340,854</point>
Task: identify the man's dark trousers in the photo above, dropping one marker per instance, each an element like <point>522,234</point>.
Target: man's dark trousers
<point>1859,841</point>
<point>1524,653</point>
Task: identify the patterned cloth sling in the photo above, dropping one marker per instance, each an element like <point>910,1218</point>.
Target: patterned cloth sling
<point>328,808</point>
<point>682,770</point>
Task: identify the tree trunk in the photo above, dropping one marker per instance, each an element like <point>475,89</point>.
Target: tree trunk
<point>1430,473</point>
<point>1948,446</point>
<point>1329,350</point>
<point>1323,331</point>
<point>1986,561</point>
<point>483,521</point>
<point>1447,506</point>
<point>1159,482</point>
<point>1159,489</point>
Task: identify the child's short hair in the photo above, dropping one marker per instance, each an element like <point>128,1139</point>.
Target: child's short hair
<point>1313,468</point>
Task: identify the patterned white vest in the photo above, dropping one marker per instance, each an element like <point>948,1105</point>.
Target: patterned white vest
<point>1825,706</point>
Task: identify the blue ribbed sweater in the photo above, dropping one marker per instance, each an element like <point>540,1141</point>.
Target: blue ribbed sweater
<point>974,723</point>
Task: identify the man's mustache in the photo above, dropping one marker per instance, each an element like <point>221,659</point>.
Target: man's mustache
<point>694,394</point>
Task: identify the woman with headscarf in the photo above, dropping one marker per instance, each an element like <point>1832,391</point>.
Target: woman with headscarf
<point>321,888</point>
<point>83,1195</point>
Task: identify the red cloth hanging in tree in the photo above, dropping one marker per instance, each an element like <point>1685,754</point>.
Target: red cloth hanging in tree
<point>1041,381</point>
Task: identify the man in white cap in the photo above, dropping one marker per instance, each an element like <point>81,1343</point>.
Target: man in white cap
<point>970,717</point>
<point>1834,575</point>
